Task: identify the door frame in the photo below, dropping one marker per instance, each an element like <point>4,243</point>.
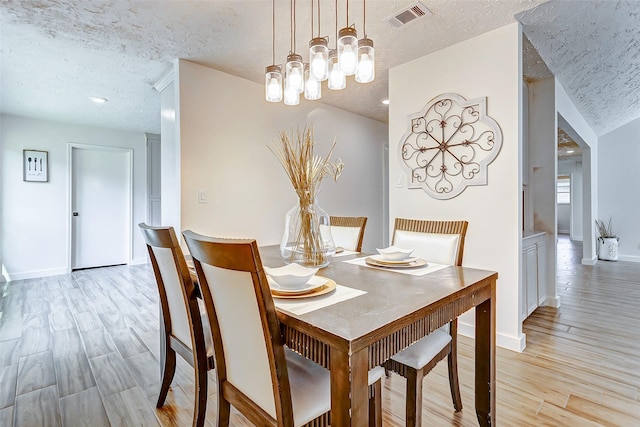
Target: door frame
<point>129,152</point>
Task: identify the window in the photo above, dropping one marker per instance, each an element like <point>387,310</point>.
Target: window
<point>563,192</point>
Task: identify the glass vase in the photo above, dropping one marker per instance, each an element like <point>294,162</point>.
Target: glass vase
<point>307,236</point>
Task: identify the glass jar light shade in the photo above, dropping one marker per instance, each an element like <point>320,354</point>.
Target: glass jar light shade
<point>312,87</point>
<point>319,58</point>
<point>337,79</point>
<point>366,61</point>
<point>294,72</point>
<point>348,50</point>
<point>273,83</point>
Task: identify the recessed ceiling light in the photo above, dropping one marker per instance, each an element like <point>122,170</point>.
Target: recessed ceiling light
<point>569,151</point>
<point>385,101</point>
<point>98,99</point>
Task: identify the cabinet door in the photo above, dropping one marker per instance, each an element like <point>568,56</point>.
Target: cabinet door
<point>542,271</point>
<point>531,278</point>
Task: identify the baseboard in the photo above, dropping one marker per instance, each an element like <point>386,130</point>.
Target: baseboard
<point>36,274</point>
<point>138,261</point>
<point>551,302</point>
<point>629,258</point>
<point>509,342</point>
<point>589,261</point>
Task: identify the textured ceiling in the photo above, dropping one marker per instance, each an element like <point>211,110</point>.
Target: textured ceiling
<point>593,49</point>
<point>56,53</point>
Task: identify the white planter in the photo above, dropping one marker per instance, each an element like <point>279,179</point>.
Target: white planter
<point>608,248</point>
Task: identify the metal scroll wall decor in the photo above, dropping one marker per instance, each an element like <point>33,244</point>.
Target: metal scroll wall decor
<point>450,145</point>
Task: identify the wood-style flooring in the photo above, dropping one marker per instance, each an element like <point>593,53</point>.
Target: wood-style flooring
<point>82,349</point>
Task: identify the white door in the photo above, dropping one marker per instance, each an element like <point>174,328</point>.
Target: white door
<point>101,206</point>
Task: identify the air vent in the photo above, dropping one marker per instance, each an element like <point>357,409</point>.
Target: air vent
<point>409,14</point>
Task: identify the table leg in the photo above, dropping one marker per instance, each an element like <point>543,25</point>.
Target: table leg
<point>349,389</point>
<point>486,361</point>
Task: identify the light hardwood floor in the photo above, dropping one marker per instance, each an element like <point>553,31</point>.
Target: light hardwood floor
<point>82,349</point>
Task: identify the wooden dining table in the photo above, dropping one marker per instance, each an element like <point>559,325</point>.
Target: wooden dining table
<point>352,336</point>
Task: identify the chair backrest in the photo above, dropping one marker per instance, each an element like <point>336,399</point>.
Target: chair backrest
<point>180,312</point>
<point>348,231</point>
<point>246,333</point>
<point>441,242</point>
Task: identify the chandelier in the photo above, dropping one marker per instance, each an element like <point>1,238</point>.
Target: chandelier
<point>349,57</point>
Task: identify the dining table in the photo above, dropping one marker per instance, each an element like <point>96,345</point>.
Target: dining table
<point>375,312</point>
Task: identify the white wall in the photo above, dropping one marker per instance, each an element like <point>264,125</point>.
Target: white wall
<point>39,212</point>
<point>543,155</point>
<point>570,116</point>
<point>487,65</point>
<point>169,158</point>
<point>224,128</point>
<point>618,179</point>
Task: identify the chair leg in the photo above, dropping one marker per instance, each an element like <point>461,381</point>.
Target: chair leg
<point>375,405</point>
<point>452,361</point>
<point>414,398</point>
<point>224,410</point>
<point>168,371</point>
<point>200,404</point>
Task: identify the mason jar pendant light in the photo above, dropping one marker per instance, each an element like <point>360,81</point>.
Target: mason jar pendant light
<point>348,48</point>
<point>273,73</point>
<point>294,70</point>
<point>318,51</point>
<point>312,87</point>
<point>366,54</point>
<point>350,57</point>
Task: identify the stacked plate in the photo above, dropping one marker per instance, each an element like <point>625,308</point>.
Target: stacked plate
<point>297,281</point>
<point>395,257</point>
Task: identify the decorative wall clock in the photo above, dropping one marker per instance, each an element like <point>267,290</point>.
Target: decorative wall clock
<point>450,145</point>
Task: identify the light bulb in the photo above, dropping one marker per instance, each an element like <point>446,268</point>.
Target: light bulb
<point>291,96</point>
<point>365,68</point>
<point>295,79</point>
<point>337,79</point>
<point>273,89</point>
<point>348,60</point>
<point>318,66</point>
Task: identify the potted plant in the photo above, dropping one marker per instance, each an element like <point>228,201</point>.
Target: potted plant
<point>607,241</point>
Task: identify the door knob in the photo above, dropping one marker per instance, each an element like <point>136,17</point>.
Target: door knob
<point>75,214</point>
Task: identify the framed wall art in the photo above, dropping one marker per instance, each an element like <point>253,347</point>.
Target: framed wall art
<point>449,145</point>
<point>35,165</point>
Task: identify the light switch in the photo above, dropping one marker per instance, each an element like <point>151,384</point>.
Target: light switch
<point>400,181</point>
<point>202,196</point>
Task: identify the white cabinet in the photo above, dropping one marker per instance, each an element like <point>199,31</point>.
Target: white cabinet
<point>534,272</point>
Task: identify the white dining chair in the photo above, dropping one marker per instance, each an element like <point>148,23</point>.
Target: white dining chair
<point>440,242</point>
<point>348,231</point>
<point>257,374</point>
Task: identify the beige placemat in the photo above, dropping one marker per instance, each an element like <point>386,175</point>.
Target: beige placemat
<point>307,305</point>
<point>345,253</point>
<point>429,268</point>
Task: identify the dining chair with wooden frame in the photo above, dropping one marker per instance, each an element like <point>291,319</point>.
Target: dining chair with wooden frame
<point>185,327</point>
<point>348,231</point>
<point>257,374</point>
<point>440,242</point>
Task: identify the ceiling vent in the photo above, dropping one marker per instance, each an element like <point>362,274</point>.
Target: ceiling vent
<point>409,14</point>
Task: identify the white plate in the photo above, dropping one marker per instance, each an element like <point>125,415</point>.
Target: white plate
<point>381,259</point>
<point>312,284</point>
